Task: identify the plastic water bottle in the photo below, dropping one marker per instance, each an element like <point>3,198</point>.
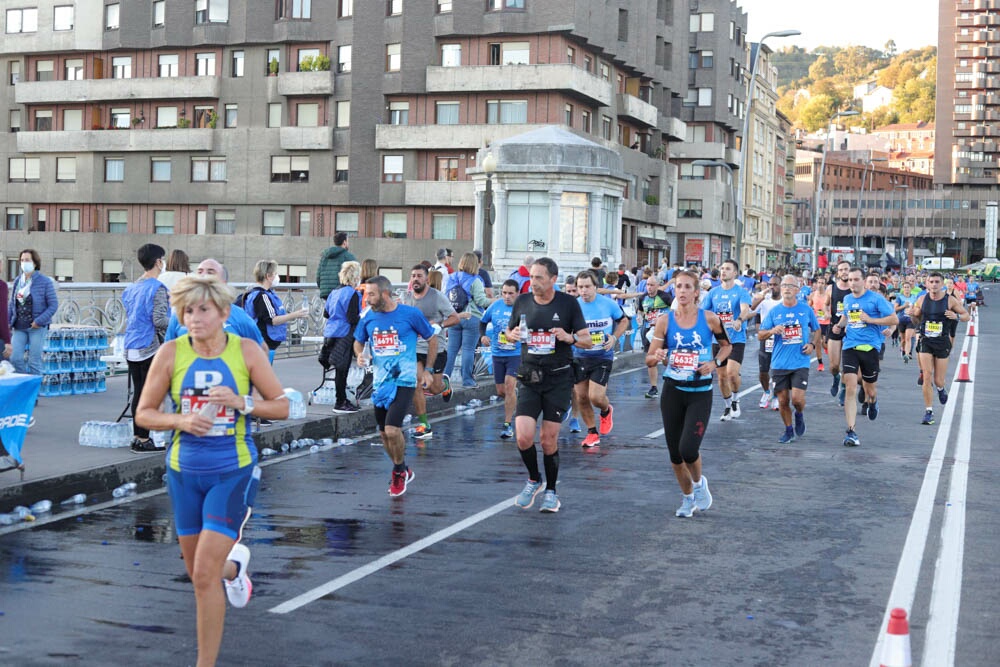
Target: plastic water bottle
<point>345,442</point>
<point>326,442</point>
<point>125,489</point>
<point>494,398</point>
<point>267,451</point>
<point>524,328</point>
<point>8,519</point>
<point>296,404</point>
<point>314,449</point>
<point>41,507</point>
<point>21,512</point>
<point>475,403</point>
<point>407,419</point>
<point>78,499</point>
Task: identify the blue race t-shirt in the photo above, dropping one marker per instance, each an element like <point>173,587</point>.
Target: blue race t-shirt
<point>499,314</point>
<point>601,315</point>
<point>799,322</point>
<point>804,292</point>
<point>905,302</point>
<point>858,332</point>
<point>726,303</point>
<point>393,336</point>
<point>238,323</point>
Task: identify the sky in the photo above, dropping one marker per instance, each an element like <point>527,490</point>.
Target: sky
<point>910,23</point>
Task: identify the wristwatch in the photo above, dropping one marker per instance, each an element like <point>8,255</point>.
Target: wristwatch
<point>575,339</point>
<point>247,405</point>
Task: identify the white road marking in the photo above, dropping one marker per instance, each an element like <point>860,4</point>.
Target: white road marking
<point>946,594</point>
<point>904,587</point>
<point>389,559</point>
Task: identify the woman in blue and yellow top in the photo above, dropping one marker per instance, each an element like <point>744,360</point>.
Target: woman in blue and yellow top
<point>211,462</point>
<point>682,342</point>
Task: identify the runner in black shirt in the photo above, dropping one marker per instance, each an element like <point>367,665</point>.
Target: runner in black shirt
<point>554,323</point>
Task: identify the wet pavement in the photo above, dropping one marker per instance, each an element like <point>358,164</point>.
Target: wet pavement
<point>793,565</point>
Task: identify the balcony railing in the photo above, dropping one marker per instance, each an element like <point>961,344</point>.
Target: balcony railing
<point>89,141</point>
<point>562,77</point>
<point>103,90</point>
<point>305,83</point>
<point>422,137</point>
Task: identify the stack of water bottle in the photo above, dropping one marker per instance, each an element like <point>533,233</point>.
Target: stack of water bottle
<point>106,434</point>
<point>325,395</point>
<point>71,361</point>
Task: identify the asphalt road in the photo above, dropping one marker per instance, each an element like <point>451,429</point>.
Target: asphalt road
<point>796,563</point>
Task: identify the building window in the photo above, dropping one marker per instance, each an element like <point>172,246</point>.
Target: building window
<point>45,70</point>
<point>444,226</point>
<point>15,219</point>
<point>273,58</point>
<point>570,55</point>
<point>573,222</point>
<point>204,64</point>
<point>399,113</point>
<point>605,71</point>
<point>72,120</point>
<point>344,113</point>
<point>159,169</point>
<point>203,116</point>
<point>274,114</point>
<point>114,170</point>
<point>703,22</point>
<point>62,17</point>
<point>22,20</point>
<point>393,57</point>
<point>444,6</point>
<point>166,116</point>
<point>606,127</point>
<point>169,65</point>
<point>43,120</point>
<point>121,119</point>
<point>159,13</point>
<point>208,169</point>
<point>231,115</point>
<point>347,222</point>
<point>451,55</point>
<point>69,220</point>
<point>609,220</point>
<point>211,11</point>
<point>238,58</point>
<point>392,169</point>
<point>341,169</point>
<point>510,53</point>
<point>290,169</point>
<point>528,221</point>
<point>588,63</point>
<point>446,113</point>
<point>118,221</point>
<point>294,9</point>
<point>345,8</point>
<point>307,54</point>
<point>62,270</point>
<point>121,67</point>
<point>163,222</point>
<point>305,223</point>
<point>506,112</point>
<point>225,222</point>
<point>344,58</point>
<point>585,122</point>
<point>15,120</point>
<point>111,16</point>
<point>274,223</point>
<point>13,72</point>
<point>447,168</point>
<point>23,169</point>
<point>707,59</point>
<point>65,170</point>
<point>394,225</point>
<point>500,5</point>
<point>568,115</point>
<point>307,114</point>
<point>689,208</point>
<point>704,97</point>
<point>111,269</point>
<point>393,7</point>
<point>622,25</point>
<point>691,172</point>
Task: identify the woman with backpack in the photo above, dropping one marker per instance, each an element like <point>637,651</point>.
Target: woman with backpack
<point>467,295</point>
<point>266,309</point>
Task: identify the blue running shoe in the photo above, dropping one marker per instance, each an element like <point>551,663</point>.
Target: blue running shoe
<point>800,424</point>
<point>942,395</point>
<point>851,439</point>
<point>841,395</point>
<point>788,436</point>
<point>550,503</point>
<point>702,496</point>
<point>873,411</point>
<point>507,432</point>
<point>526,498</point>
<point>928,419</point>
<point>574,426</point>
<point>836,385</point>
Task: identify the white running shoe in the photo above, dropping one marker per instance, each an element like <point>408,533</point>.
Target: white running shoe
<point>774,404</point>
<point>239,589</point>
<point>765,399</point>
<point>735,411</point>
<point>726,416</point>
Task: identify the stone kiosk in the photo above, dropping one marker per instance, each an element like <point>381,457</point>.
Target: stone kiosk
<point>554,194</point>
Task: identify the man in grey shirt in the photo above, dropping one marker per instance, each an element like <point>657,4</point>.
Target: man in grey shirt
<point>437,309</point>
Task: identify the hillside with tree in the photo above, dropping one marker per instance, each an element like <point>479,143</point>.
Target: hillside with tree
<point>814,85</point>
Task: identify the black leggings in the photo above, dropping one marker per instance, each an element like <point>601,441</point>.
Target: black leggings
<point>137,371</point>
<point>685,416</point>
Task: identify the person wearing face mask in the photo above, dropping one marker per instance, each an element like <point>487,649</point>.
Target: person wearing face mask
<point>147,307</point>
<point>266,308</point>
<point>30,311</point>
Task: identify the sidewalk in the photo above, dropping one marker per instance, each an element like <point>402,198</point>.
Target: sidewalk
<point>57,467</point>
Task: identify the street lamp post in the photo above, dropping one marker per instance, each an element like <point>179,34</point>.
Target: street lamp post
<point>489,211</point>
<point>732,197</point>
<point>755,55</point>
<point>857,225</point>
<point>819,185</point>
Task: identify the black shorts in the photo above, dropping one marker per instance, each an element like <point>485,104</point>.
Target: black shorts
<point>393,415</point>
<point>867,361</point>
<point>504,367</point>
<point>835,335</point>
<point>551,398</point>
<point>763,359</point>
<point>939,347</point>
<point>904,325</point>
<point>645,341</point>
<point>797,378</point>
<point>440,361</point>
<point>597,371</point>
<point>824,330</point>
<point>735,355</point>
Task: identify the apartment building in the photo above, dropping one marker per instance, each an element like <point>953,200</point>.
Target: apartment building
<point>246,130</point>
<point>967,137</point>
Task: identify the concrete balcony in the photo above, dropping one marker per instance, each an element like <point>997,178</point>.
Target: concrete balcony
<point>119,90</point>
<point>115,141</point>
<point>638,210</point>
<point>305,138</point>
<point>514,78</point>
<point>674,128</point>
<point>292,84</point>
<point>644,113</point>
<point>439,193</point>
<point>705,151</point>
<point>426,137</point>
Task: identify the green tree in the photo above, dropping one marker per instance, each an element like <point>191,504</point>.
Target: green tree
<point>821,69</point>
<point>816,112</point>
<point>914,100</point>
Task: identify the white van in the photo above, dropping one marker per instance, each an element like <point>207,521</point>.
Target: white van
<point>930,263</point>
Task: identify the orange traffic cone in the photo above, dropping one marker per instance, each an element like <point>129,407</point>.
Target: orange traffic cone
<point>896,649</point>
<point>963,369</point>
<point>971,333</point>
